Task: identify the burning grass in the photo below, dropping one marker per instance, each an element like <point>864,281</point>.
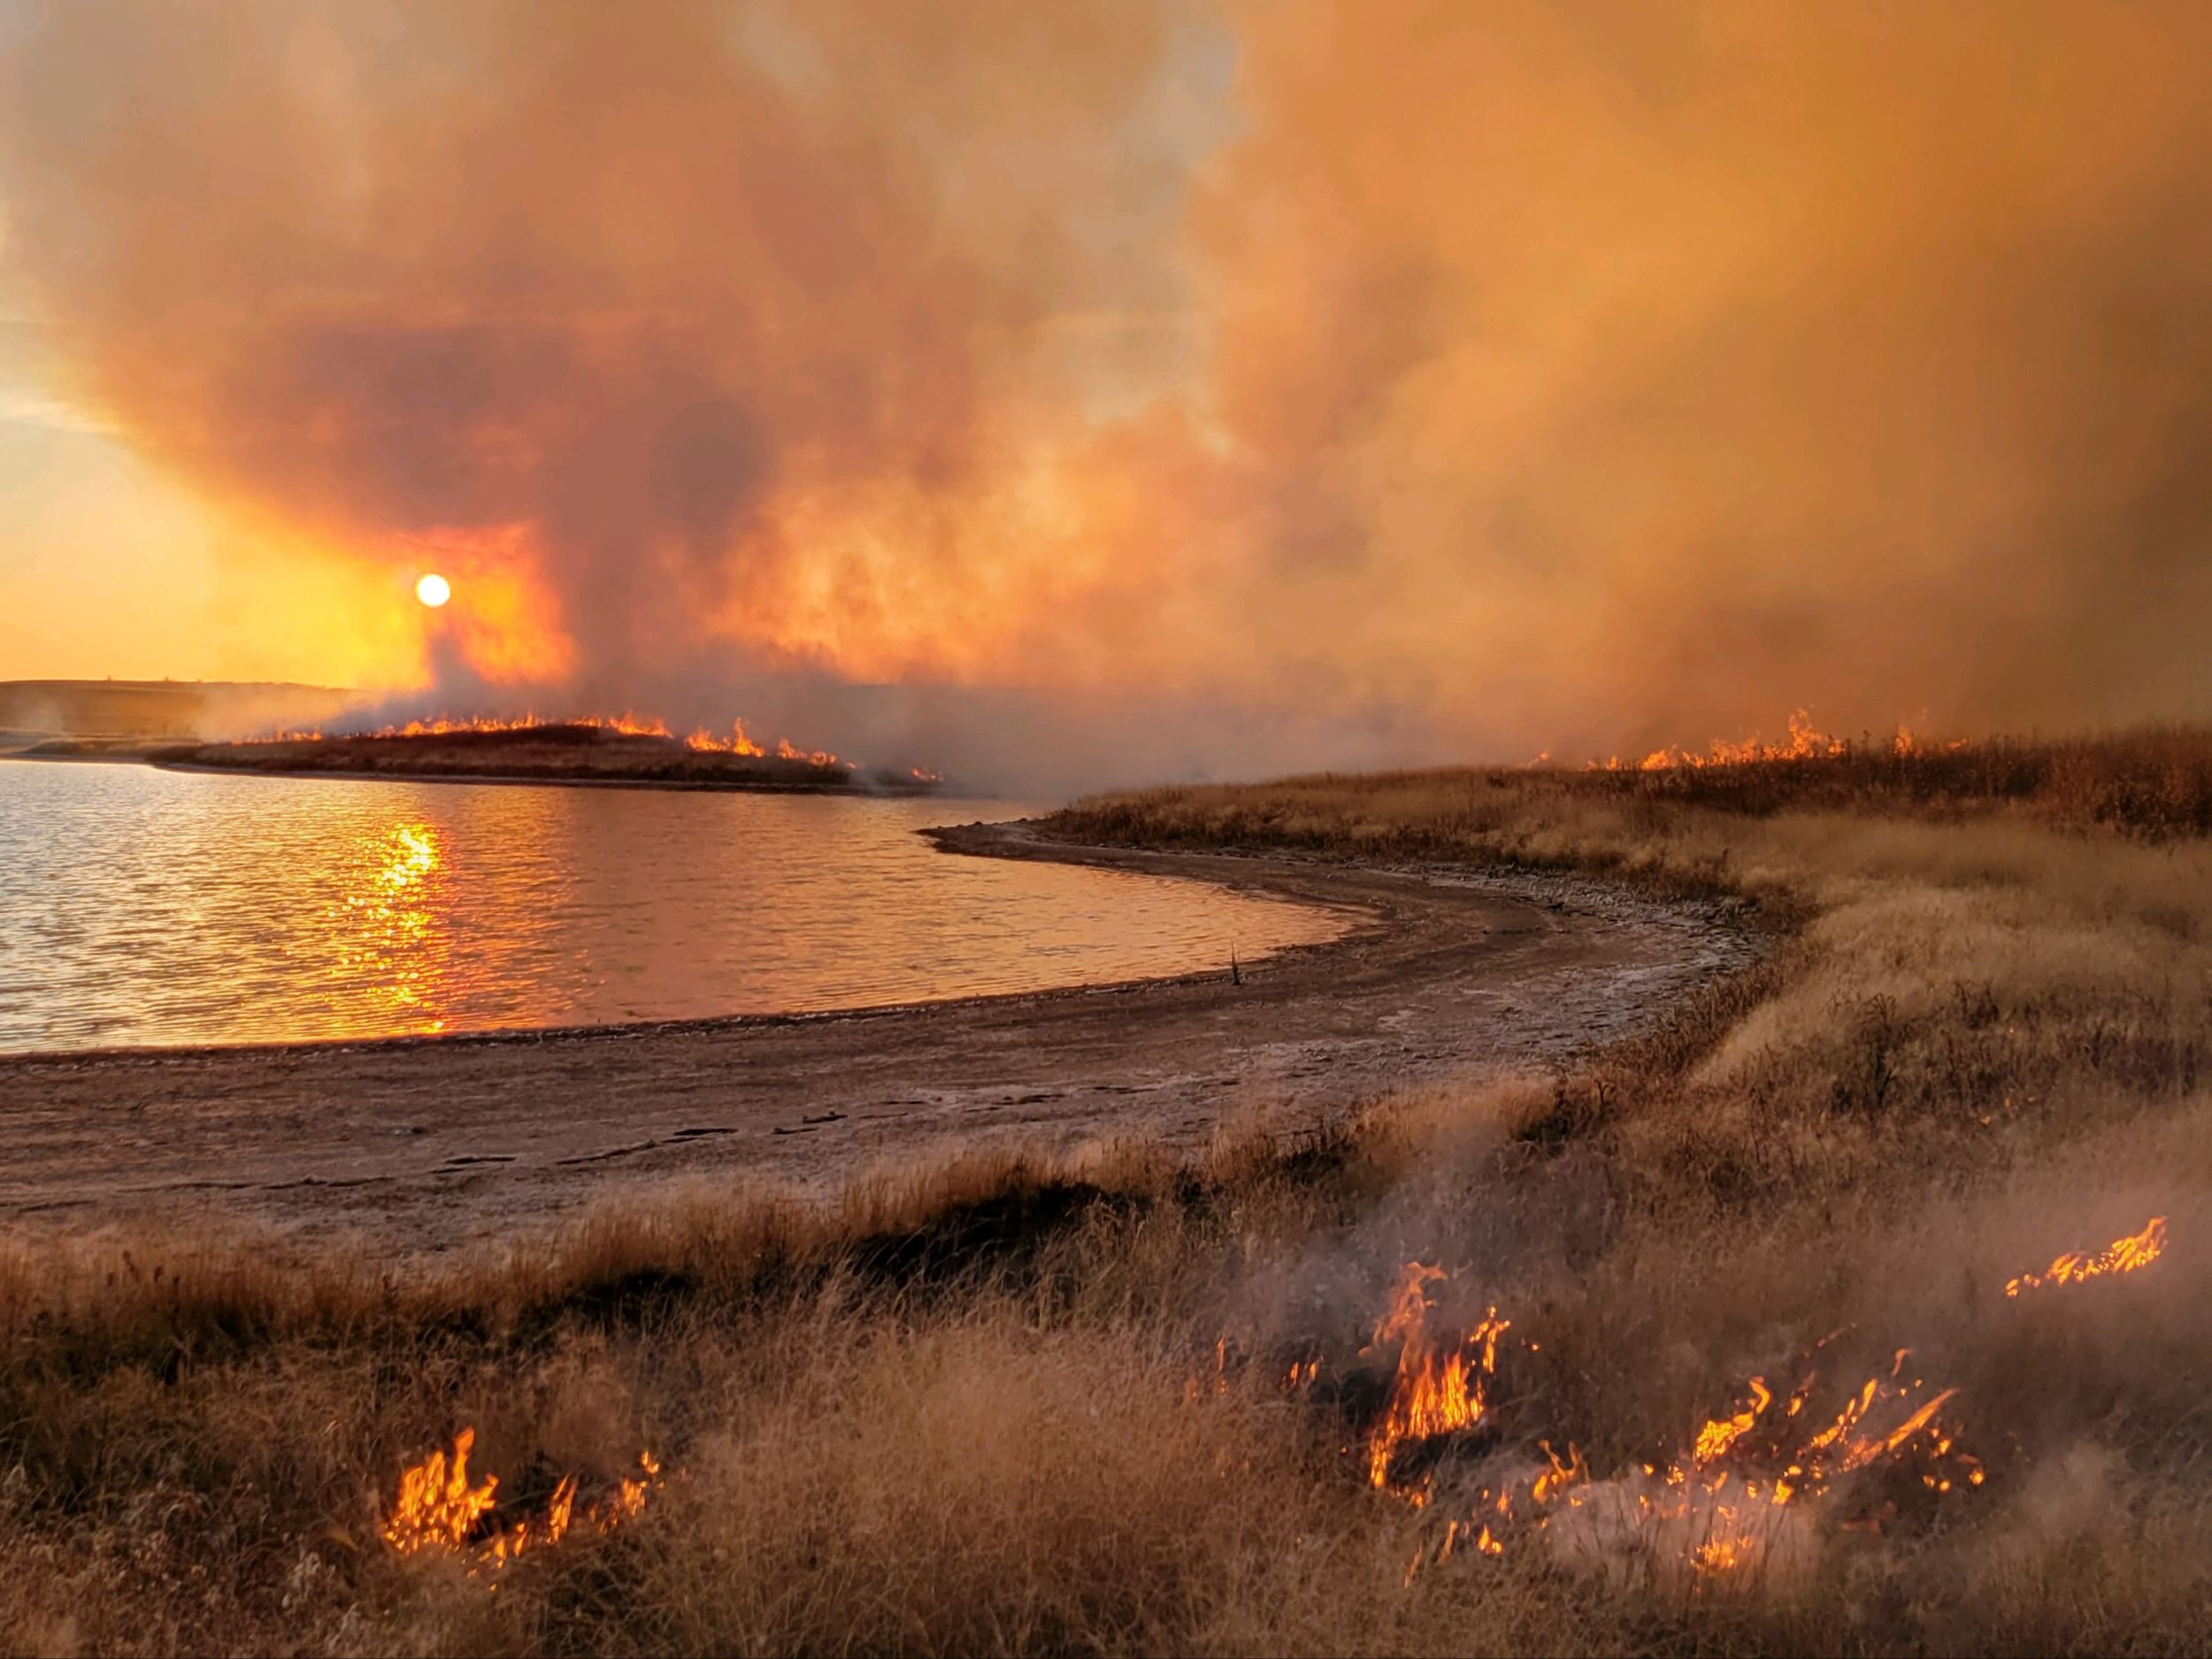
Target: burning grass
<point>2130,1254</point>
<point>1714,1505</point>
<point>2151,784</point>
<point>620,749</point>
<point>1789,1325</point>
<point>439,1508</point>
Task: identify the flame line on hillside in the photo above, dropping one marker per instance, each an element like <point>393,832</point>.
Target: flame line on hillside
<point>2128,1254</point>
<point>1804,741</point>
<point>628,723</point>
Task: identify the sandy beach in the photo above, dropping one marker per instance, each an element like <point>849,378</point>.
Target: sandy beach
<point>431,1143</point>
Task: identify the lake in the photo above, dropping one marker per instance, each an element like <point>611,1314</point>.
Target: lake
<point>147,908</point>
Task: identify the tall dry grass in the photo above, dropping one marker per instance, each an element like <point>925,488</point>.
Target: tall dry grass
<point>979,1409</point>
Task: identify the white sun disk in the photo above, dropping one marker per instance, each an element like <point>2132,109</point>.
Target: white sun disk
<point>434,590</point>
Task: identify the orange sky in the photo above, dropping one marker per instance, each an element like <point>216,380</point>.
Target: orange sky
<point>1478,378</point>
<point>111,567</point>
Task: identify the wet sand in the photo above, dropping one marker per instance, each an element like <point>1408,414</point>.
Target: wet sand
<point>426,1144</point>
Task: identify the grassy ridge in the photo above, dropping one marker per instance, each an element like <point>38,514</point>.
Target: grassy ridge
<point>578,752</point>
<point>2149,784</point>
<point>978,1409</point>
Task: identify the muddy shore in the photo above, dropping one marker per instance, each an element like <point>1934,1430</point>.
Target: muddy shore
<point>426,1144</point>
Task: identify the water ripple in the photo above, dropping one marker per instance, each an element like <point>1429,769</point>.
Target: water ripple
<point>142,907</point>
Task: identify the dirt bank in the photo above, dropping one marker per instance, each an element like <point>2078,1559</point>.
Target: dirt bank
<point>431,1143</point>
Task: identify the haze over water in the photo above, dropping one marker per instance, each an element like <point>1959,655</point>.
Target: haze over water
<point>140,907</point>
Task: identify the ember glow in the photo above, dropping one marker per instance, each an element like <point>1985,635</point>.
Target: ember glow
<point>2130,1255</point>
<point>439,1508</point>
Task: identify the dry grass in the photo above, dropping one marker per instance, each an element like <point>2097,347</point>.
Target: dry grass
<point>575,751</point>
<point>976,1409</point>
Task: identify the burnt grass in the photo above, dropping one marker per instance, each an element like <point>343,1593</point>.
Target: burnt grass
<point>959,1412</point>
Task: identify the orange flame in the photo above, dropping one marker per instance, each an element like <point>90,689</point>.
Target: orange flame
<point>437,1507</point>
<point>1744,1467</point>
<point>1716,1503</point>
<point>1713,1501</point>
<point>1438,1388</point>
<point>627,724</point>
<point>736,744</point>
<point>1718,1435</point>
<point>1804,741</point>
<point>2130,1255</point>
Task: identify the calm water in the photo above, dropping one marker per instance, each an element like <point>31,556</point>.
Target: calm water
<point>144,907</point>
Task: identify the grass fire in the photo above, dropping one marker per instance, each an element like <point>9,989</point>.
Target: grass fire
<point>624,748</point>
<point>439,1508</point>
<point>1684,1344</point>
<point>2130,1255</point>
<point>1105,828</point>
<point>1707,1505</point>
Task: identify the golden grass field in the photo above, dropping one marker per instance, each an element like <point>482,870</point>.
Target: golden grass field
<point>999,1408</point>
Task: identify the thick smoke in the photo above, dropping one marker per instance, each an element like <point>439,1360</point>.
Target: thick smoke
<point>1170,389</point>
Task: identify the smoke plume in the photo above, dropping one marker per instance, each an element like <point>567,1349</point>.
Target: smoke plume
<point>1173,387</point>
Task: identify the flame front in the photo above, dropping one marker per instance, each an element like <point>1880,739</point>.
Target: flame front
<point>736,744</point>
<point>437,1507</point>
<point>701,741</point>
<point>1804,741</point>
<point>2128,1255</point>
<point>1439,1390</point>
<point>1713,1508</point>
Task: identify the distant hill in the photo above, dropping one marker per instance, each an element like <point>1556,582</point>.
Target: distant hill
<point>162,708</point>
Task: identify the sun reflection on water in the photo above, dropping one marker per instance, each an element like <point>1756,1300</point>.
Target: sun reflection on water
<point>139,906</point>
<point>393,954</point>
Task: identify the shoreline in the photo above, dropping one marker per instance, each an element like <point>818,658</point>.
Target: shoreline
<point>434,1142</point>
<point>541,778</point>
<point>953,840</point>
<point>559,781</point>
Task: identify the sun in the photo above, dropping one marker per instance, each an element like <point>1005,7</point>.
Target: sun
<point>434,590</point>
